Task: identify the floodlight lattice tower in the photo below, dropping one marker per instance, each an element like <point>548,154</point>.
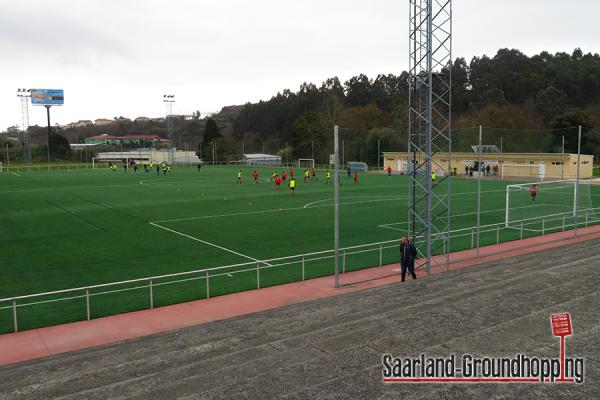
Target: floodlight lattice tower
<point>430,142</point>
<point>169,99</point>
<point>25,95</point>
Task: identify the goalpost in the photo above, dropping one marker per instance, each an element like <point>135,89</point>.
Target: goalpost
<point>529,171</point>
<point>306,163</point>
<point>553,198</point>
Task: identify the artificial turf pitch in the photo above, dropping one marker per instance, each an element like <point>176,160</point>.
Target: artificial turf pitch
<point>71,229</point>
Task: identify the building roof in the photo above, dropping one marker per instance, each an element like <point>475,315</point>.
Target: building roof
<point>149,137</point>
<point>260,156</point>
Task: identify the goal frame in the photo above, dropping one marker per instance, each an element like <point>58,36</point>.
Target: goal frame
<point>544,183</point>
<point>311,161</point>
<point>541,175</point>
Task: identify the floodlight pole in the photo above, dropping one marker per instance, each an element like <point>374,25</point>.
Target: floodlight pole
<point>336,202</point>
<point>479,188</point>
<point>49,132</point>
<point>25,95</point>
<point>429,121</point>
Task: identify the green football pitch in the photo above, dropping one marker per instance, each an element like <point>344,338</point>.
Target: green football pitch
<point>71,229</point>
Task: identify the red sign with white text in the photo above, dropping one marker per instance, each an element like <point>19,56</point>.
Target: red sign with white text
<point>561,325</point>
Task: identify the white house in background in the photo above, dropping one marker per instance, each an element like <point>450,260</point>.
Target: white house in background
<point>261,159</point>
<point>103,121</point>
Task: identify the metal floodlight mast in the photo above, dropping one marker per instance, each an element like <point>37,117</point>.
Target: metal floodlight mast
<point>25,95</point>
<point>169,99</point>
<point>430,141</point>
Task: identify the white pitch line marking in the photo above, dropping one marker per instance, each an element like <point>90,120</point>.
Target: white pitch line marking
<point>377,199</point>
<point>14,173</point>
<point>208,243</point>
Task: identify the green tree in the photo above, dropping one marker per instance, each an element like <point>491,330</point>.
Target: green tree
<point>211,133</point>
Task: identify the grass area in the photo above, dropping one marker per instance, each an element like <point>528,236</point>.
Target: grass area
<point>68,229</point>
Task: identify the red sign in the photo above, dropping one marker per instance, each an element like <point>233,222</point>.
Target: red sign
<point>561,325</point>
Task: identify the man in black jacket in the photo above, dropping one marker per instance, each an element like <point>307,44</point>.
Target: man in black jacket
<point>408,253</point>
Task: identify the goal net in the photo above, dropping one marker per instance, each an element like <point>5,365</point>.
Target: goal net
<point>554,198</point>
<point>306,163</point>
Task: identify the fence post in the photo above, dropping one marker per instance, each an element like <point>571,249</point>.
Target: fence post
<point>586,218</point>
<point>303,267</point>
<point>258,275</point>
<point>344,261</point>
<point>207,287</point>
<point>543,226</point>
<point>564,223</point>
<point>380,255</point>
<point>521,230</point>
<point>87,303</point>
<point>16,326</point>
<point>472,238</point>
<point>497,234</point>
<point>151,295</point>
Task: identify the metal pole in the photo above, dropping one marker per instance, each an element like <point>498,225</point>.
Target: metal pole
<point>577,181</point>
<point>380,255</point>
<point>258,275</point>
<point>151,295</point>
<point>15,325</point>
<point>543,226</point>
<point>336,202</point>
<point>521,230</point>
<point>7,157</point>
<point>501,143</point>
<point>49,134</point>
<point>302,267</point>
<point>207,287</point>
<point>378,152</point>
<point>87,303</point>
<point>497,234</point>
<point>479,188</point>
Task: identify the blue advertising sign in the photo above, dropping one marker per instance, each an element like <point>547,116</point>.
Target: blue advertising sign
<point>48,97</point>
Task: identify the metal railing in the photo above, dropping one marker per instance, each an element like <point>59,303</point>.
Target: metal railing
<point>537,226</point>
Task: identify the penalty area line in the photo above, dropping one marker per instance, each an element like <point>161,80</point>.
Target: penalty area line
<point>209,244</point>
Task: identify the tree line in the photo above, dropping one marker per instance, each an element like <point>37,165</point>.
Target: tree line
<point>509,90</point>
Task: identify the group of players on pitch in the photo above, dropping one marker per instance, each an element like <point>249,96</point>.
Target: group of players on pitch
<point>309,176</point>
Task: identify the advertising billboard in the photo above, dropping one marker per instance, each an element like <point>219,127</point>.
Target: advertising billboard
<point>47,97</point>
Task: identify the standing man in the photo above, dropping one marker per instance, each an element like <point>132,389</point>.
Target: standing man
<point>349,172</point>
<point>292,187</point>
<point>314,174</point>
<point>255,176</point>
<point>284,176</point>
<point>389,171</point>
<point>356,177</point>
<point>466,170</point>
<point>327,177</point>
<point>408,253</point>
<point>487,170</point>
<point>239,176</point>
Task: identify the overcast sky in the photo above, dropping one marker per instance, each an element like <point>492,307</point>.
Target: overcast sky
<point>116,58</point>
